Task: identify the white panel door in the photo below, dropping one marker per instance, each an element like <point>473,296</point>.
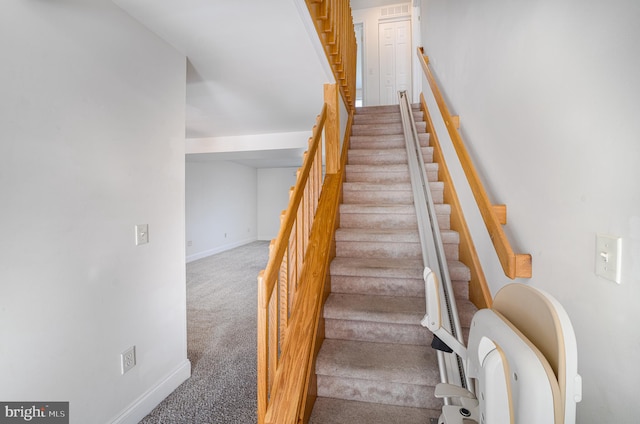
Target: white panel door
<point>394,41</point>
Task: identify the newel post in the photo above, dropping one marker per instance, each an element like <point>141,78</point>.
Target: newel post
<point>332,128</point>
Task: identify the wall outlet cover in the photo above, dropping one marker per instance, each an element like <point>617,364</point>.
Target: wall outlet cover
<point>128,359</point>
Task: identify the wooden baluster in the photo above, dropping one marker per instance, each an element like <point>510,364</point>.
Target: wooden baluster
<point>262,365</point>
<point>300,242</point>
<point>273,330</point>
<point>318,179</point>
<point>305,217</point>
<point>292,269</point>
<point>283,285</point>
<point>273,337</point>
<point>293,276</point>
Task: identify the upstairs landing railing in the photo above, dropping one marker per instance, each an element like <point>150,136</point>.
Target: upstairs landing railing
<point>292,289</point>
<point>494,216</point>
<point>334,24</point>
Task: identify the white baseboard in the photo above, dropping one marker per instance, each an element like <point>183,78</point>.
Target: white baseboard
<point>218,249</point>
<point>142,406</point>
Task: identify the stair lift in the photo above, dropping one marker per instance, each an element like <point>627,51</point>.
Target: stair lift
<point>521,359</point>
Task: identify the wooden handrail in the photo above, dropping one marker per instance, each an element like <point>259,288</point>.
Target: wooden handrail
<point>514,265</point>
<point>298,264</point>
<point>334,25</point>
<point>479,292</point>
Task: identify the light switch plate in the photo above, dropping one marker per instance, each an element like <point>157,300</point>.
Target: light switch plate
<point>142,234</point>
<point>609,257</point>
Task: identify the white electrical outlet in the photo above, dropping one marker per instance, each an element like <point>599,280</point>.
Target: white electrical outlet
<point>128,359</point>
<point>609,257</point>
<point>142,234</point>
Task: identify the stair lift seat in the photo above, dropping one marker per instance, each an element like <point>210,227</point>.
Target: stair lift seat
<point>522,358</point>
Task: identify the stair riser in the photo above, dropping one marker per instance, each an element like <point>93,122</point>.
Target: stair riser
<point>395,116</point>
<point>373,110</point>
<point>377,286</point>
<point>339,411</point>
<point>386,177</point>
<point>461,289</point>
<point>384,392</point>
<point>387,221</point>
<point>376,129</point>
<point>384,142</point>
<point>383,129</point>
<point>380,197</point>
<point>388,286</point>
<point>356,195</point>
<point>378,332</point>
<point>361,249</point>
<point>466,310</point>
<point>355,249</point>
<point>361,158</point>
<point>381,118</point>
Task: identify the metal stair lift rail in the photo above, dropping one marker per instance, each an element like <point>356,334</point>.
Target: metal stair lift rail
<point>451,365</point>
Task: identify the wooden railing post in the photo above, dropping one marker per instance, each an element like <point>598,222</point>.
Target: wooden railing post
<point>332,129</point>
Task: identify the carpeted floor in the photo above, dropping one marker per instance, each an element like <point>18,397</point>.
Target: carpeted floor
<point>221,341</point>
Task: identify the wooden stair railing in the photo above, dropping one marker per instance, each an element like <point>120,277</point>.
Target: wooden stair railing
<point>292,288</point>
<point>514,265</point>
<point>334,24</point>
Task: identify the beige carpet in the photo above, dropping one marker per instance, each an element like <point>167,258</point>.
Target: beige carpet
<point>221,332</point>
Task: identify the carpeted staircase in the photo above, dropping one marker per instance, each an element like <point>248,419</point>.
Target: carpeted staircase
<point>376,364</point>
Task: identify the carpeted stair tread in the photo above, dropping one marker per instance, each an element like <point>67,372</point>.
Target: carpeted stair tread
<point>390,235</point>
<point>376,391</point>
<point>377,235</point>
<point>381,319</point>
<point>379,118</point>
<point>365,186</point>
<point>392,173</point>
<point>377,267</point>
<point>394,193</point>
<point>394,167</point>
<point>372,249</point>
<point>388,309</point>
<point>379,128</point>
<point>385,157</point>
<point>388,141</point>
<point>443,209</point>
<point>340,411</point>
<point>377,109</point>
<point>378,286</point>
<point>392,268</point>
<point>407,364</point>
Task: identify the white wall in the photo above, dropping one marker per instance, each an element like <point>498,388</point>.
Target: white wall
<point>220,207</point>
<point>548,96</point>
<point>273,198</point>
<point>92,130</point>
